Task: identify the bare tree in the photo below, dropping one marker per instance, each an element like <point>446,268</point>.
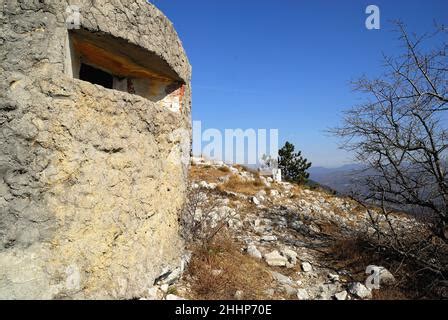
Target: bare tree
<point>400,131</point>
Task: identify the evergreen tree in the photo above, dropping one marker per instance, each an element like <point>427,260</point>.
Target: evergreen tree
<point>293,165</point>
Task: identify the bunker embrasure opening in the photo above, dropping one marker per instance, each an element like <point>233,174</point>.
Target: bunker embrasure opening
<point>114,63</point>
<point>96,76</point>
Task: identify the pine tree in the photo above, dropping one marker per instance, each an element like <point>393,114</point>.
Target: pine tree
<point>293,165</point>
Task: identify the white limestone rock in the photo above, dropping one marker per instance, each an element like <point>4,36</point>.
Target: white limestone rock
<point>174,297</point>
<point>306,266</point>
<point>282,278</point>
<point>341,295</point>
<point>275,259</point>
<point>385,277</point>
<point>268,238</point>
<point>359,290</point>
<point>302,294</point>
<point>253,251</point>
<point>290,255</point>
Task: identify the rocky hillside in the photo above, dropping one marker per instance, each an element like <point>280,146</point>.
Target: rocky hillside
<point>252,238</point>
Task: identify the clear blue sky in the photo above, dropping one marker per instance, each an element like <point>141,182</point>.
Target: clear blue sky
<point>287,64</point>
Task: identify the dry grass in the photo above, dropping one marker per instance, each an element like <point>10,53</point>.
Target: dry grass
<point>237,271</point>
<point>328,227</point>
<point>207,173</point>
<point>236,184</point>
<point>350,254</point>
<point>247,169</point>
<point>224,169</point>
<point>390,293</point>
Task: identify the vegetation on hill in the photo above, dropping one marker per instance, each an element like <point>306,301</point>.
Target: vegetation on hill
<point>294,167</point>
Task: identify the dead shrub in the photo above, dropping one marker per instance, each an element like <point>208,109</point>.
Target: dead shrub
<point>413,281</point>
<point>416,247</point>
<point>220,269</point>
<point>224,169</point>
<point>200,219</point>
<point>416,256</point>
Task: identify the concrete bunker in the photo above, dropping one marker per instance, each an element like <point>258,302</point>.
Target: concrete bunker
<point>92,177</point>
<point>114,63</point>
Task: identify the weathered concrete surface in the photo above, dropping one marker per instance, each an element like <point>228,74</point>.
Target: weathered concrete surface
<point>91,179</point>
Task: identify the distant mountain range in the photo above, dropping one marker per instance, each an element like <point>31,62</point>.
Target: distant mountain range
<point>349,180</point>
<point>342,179</point>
